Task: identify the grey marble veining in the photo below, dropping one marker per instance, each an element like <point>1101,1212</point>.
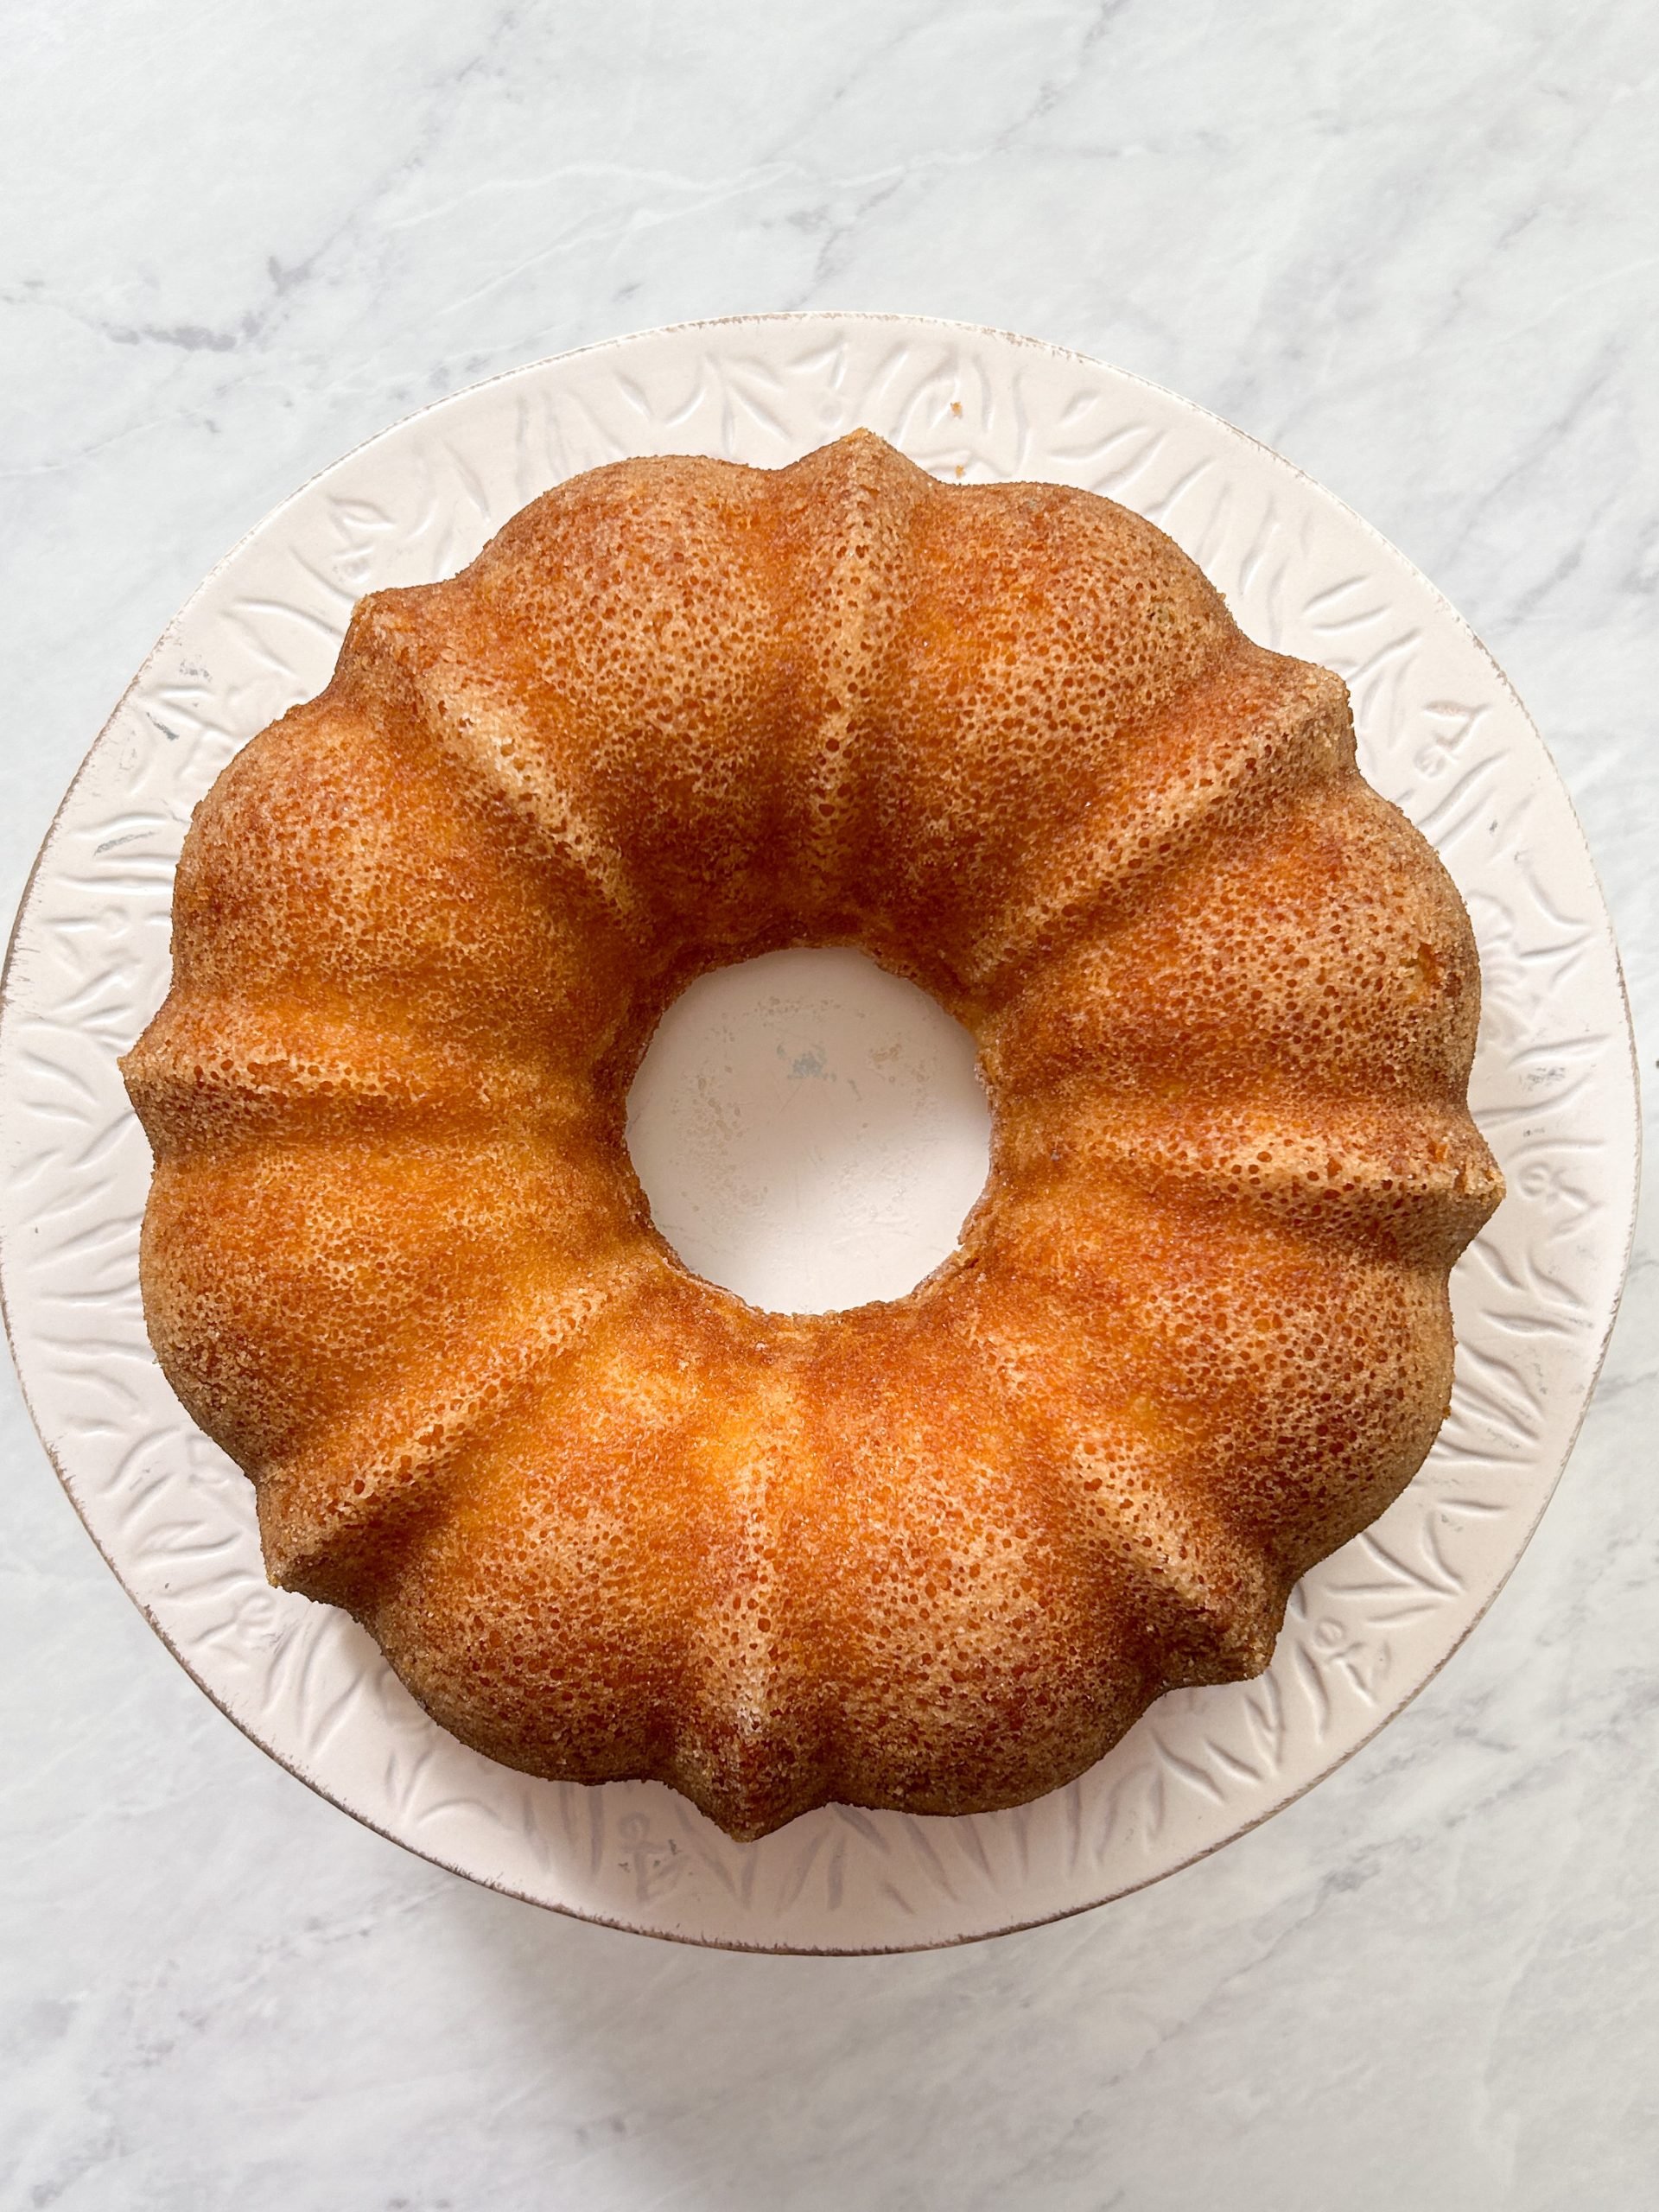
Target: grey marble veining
<point>1414,247</point>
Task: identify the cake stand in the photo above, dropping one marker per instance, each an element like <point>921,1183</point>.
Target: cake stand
<point>1441,734</point>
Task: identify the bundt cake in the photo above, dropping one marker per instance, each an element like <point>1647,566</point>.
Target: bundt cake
<point>604,1518</point>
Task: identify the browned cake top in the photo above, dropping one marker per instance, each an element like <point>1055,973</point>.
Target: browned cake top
<point>604,1518</point>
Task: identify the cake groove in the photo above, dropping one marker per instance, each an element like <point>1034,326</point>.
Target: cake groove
<point>320,1510</point>
<point>1279,740</point>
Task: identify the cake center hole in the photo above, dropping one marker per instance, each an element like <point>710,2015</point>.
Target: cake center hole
<point>809,1131</point>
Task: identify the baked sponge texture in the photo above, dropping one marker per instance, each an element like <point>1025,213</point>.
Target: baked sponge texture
<point>605,1519</point>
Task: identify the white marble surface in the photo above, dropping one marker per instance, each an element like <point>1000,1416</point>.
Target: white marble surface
<point>1413,248</point>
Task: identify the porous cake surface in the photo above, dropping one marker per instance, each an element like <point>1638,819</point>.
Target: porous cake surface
<point>605,1519</point>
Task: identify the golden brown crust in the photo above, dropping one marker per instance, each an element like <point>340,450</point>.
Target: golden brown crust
<point>605,1519</point>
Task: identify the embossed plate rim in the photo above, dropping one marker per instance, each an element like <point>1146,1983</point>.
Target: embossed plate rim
<point>698,342</point>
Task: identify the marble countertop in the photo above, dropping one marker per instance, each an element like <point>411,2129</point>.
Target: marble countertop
<point>1415,249</point>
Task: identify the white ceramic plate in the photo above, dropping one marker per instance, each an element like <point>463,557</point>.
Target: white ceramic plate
<point>1441,734</point>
